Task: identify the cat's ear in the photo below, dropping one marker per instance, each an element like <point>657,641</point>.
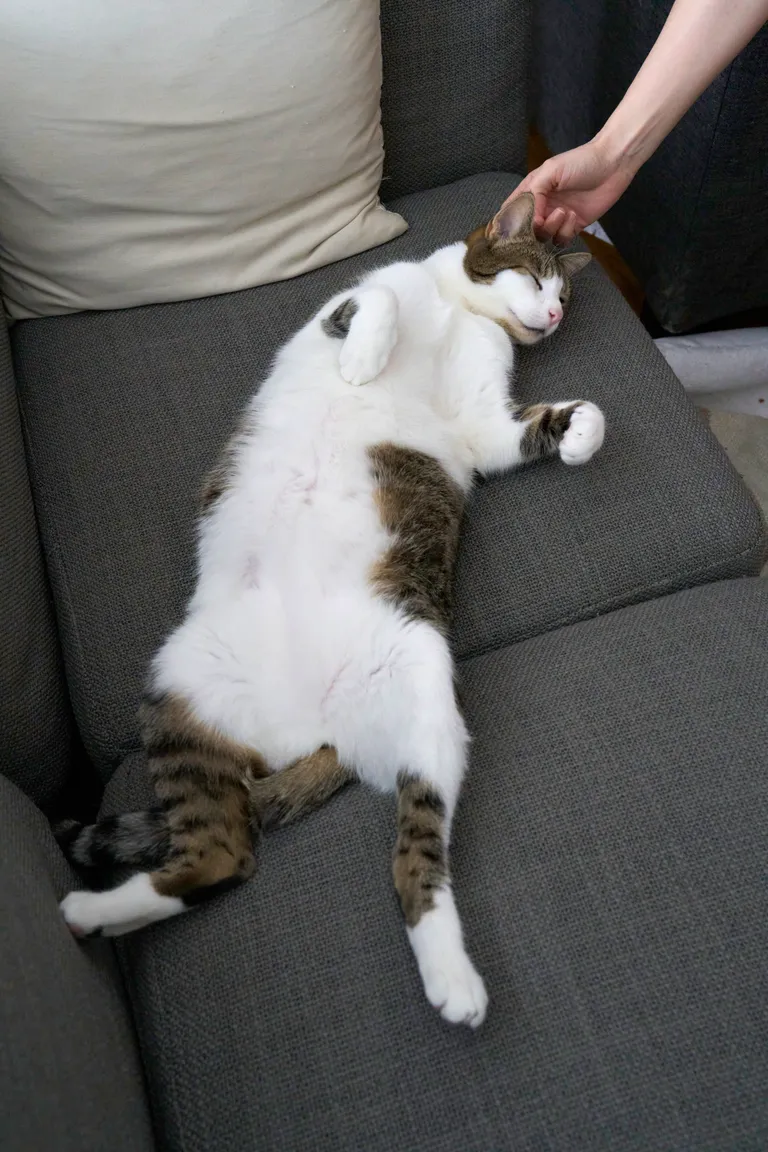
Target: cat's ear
<point>514,218</point>
<point>573,262</point>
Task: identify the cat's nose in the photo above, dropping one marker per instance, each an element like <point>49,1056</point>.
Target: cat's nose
<point>555,315</point>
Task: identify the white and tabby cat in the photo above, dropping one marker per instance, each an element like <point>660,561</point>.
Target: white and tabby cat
<point>314,648</point>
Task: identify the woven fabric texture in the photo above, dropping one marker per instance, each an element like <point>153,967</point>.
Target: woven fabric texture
<point>454,97</point>
<point>609,862</point>
<point>693,224</point>
<point>35,724</point>
<point>127,411</point>
<point>70,1074</point>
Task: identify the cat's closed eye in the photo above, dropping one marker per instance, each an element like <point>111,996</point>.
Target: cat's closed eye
<point>532,275</point>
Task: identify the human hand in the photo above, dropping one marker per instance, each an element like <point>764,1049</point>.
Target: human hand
<point>574,189</point>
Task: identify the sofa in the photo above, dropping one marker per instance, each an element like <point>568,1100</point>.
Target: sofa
<point>693,225</point>
<point>609,850</point>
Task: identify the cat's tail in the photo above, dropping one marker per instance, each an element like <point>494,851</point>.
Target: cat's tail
<point>133,840</point>
<point>142,840</point>
<point>366,322</point>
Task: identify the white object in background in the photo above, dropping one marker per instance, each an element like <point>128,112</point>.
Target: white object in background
<point>727,370</point>
<point>597,229</point>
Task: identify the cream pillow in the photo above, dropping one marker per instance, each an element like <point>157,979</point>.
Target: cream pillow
<point>164,149</point>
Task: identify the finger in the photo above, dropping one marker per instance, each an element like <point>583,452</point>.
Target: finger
<point>552,225</point>
<point>568,229</point>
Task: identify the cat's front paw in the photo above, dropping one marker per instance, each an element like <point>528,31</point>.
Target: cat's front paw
<point>361,360</point>
<point>455,988</point>
<point>584,434</point>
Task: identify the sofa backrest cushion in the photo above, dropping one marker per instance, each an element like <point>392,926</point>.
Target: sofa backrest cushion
<point>153,152</point>
<point>454,99</point>
<point>34,714</point>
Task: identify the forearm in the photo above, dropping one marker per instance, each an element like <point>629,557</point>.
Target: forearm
<point>698,40</point>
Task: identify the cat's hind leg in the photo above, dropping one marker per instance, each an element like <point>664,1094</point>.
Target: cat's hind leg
<point>197,845</point>
<point>366,322</point>
<point>422,879</point>
<point>432,750</point>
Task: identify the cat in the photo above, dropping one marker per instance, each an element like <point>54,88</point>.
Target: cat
<point>315,646</point>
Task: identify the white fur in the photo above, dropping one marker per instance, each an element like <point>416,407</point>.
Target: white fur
<point>583,436</point>
<point>133,905</point>
<point>285,646</point>
<point>451,983</point>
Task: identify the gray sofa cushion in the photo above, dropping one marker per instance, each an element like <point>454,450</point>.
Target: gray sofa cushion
<point>35,722</point>
<point>609,860</point>
<point>70,1075</point>
<point>440,125</point>
<point>127,411</point>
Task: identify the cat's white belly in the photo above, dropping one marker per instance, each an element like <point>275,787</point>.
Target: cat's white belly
<point>285,670</point>
<point>288,647</point>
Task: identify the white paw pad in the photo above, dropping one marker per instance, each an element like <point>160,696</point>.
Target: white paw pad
<point>457,991</point>
<point>584,435</point>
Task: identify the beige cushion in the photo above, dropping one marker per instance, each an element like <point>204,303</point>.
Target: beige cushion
<point>164,149</point>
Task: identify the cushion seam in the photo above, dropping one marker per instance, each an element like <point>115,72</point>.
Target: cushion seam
<point>617,602</point>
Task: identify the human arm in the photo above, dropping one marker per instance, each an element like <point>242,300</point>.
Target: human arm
<point>699,38</point>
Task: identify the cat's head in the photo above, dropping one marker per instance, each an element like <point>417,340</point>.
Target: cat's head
<point>523,285</point>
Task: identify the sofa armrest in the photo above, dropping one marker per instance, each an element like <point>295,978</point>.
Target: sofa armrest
<point>70,1074</point>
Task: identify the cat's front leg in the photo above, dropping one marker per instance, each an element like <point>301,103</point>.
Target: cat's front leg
<point>366,322</point>
<point>573,430</point>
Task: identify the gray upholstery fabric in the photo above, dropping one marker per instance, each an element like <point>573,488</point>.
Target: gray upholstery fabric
<point>70,1075</point>
<point>609,858</point>
<point>127,411</point>
<point>454,96</point>
<point>34,713</point>
<point>694,224</point>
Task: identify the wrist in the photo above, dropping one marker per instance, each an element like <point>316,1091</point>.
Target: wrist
<point>623,147</point>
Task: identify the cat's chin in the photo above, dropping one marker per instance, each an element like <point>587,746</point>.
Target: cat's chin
<point>520,332</point>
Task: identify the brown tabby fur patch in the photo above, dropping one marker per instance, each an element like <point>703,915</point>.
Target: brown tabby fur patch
<point>420,865</point>
<point>546,429</point>
<point>299,789</point>
<point>202,780</point>
<point>421,507</point>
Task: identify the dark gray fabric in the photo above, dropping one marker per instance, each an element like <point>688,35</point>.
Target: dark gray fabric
<point>610,864</point>
<point>454,94</point>
<point>694,224</point>
<point>35,727</point>
<point>127,411</point>
<point>70,1075</point>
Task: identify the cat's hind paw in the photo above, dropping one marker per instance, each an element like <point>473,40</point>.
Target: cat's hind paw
<point>455,988</point>
<point>81,913</point>
<point>584,434</point>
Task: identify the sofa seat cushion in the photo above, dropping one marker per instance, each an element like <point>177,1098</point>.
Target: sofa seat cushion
<point>127,411</point>
<point>609,862</point>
